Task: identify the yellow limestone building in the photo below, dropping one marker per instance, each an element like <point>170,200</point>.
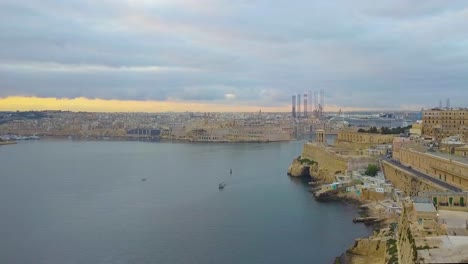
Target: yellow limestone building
<point>441,123</point>
<point>449,168</point>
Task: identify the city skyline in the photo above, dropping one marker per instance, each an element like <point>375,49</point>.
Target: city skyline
<point>217,56</point>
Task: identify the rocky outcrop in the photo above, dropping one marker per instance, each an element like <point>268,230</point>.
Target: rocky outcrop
<point>367,250</point>
<point>324,176</point>
<point>313,169</point>
<point>303,167</point>
<point>298,169</point>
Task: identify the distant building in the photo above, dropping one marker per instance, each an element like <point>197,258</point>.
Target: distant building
<point>144,132</point>
<point>298,105</point>
<point>238,130</point>
<point>305,105</point>
<point>398,142</point>
<point>416,129</point>
<point>293,104</point>
<point>440,123</point>
<point>350,136</point>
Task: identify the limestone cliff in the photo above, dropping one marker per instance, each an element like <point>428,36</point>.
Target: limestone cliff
<point>298,169</point>
<point>301,167</point>
<point>407,182</point>
<point>323,176</point>
<point>367,250</point>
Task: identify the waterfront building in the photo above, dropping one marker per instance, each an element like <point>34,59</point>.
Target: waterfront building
<point>238,130</point>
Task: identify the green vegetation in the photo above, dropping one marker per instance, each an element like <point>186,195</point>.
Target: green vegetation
<point>385,130</point>
<point>413,244</point>
<point>396,130</point>
<point>423,247</point>
<point>306,161</point>
<point>357,182</point>
<point>392,251</point>
<point>372,170</point>
<point>372,130</point>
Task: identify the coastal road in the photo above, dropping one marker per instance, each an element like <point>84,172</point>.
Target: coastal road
<point>425,176</point>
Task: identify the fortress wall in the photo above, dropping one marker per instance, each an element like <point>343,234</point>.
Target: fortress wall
<point>410,184</point>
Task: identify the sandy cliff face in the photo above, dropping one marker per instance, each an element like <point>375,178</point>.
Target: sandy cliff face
<point>298,169</point>
<point>324,176</point>
<point>302,169</point>
<point>367,250</point>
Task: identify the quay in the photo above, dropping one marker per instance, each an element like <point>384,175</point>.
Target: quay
<point>7,142</point>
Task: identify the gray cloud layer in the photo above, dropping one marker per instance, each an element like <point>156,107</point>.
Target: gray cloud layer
<point>399,53</point>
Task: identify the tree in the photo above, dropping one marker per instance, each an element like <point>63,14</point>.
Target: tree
<point>386,130</point>
<point>373,130</point>
<point>372,170</point>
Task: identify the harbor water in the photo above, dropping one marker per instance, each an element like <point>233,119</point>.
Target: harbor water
<point>65,201</point>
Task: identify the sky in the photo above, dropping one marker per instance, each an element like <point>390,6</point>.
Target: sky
<point>220,55</point>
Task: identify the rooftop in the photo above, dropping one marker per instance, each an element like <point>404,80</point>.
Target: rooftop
<point>425,207</point>
<point>425,149</point>
<point>450,157</point>
<point>448,109</point>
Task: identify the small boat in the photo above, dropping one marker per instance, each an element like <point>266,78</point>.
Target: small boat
<point>230,171</point>
<point>144,179</point>
<point>221,185</point>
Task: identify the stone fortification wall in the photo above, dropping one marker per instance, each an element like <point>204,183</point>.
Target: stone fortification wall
<point>361,163</point>
<point>443,168</point>
<point>364,138</point>
<point>356,146</point>
<point>410,184</point>
<point>407,252</point>
<point>327,161</point>
<point>372,195</point>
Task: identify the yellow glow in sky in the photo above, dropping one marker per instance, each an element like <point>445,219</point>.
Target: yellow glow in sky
<point>23,103</point>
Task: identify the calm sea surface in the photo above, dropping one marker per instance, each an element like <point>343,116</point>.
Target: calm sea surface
<point>85,202</point>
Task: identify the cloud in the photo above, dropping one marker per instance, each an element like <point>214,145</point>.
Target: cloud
<point>392,55</point>
<point>90,68</point>
<point>230,96</point>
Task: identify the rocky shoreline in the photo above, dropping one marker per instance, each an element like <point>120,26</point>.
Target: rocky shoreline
<point>372,249</point>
